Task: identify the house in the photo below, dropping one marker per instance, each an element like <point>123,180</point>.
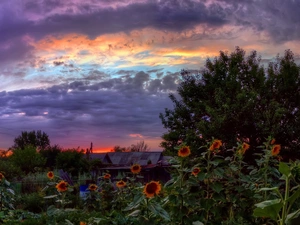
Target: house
<point>154,164</point>
<point>103,157</point>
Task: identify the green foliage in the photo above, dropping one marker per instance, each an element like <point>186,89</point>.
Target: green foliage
<point>235,97</point>
<point>7,195</point>
<point>33,182</point>
<point>36,139</point>
<point>27,159</point>
<point>15,217</point>
<point>95,166</point>
<point>182,192</point>
<point>32,202</point>
<point>9,169</point>
<point>279,209</point>
<point>50,153</point>
<point>217,187</point>
<point>72,161</point>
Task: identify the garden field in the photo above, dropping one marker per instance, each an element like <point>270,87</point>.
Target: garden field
<point>218,187</point>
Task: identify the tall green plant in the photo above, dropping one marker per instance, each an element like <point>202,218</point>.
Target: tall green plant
<point>181,190</point>
<point>280,207</point>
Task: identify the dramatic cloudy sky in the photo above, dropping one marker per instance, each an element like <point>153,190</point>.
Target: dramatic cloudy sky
<point>101,70</point>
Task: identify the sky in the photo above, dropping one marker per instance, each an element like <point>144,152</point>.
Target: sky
<point>101,71</point>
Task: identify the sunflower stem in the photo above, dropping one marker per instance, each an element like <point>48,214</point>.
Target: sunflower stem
<point>266,175</point>
<point>181,197</point>
<point>285,203</point>
<point>208,180</point>
<point>147,203</point>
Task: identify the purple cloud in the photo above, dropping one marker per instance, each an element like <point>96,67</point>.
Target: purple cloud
<point>77,108</point>
<point>172,15</point>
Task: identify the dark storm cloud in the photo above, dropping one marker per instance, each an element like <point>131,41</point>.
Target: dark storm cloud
<point>280,19</point>
<point>126,105</point>
<point>172,15</point>
<point>14,49</point>
<point>131,83</point>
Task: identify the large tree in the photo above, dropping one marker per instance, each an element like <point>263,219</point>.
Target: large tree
<point>33,138</point>
<point>50,154</point>
<point>236,96</point>
<point>27,159</point>
<point>72,161</point>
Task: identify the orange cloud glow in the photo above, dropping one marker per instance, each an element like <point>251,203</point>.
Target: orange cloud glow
<point>147,47</point>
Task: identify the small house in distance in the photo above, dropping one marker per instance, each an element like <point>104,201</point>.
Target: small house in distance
<point>154,164</point>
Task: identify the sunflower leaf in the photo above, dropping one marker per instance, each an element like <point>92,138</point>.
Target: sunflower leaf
<point>135,203</point>
<point>157,210</point>
<point>269,208</point>
<point>50,196</point>
<point>135,212</point>
<point>284,169</point>
<point>198,223</point>
<point>169,182</point>
<point>68,222</point>
<point>217,187</point>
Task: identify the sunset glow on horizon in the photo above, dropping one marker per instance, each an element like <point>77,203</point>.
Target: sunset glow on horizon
<point>103,150</point>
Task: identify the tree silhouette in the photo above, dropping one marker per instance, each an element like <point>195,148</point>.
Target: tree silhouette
<point>33,138</point>
<point>235,96</point>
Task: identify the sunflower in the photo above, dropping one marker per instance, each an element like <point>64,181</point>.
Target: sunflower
<point>121,184</point>
<point>1,176</point>
<point>93,187</point>
<point>272,142</point>
<point>245,146</point>
<point>184,151</point>
<point>136,168</point>
<point>107,176</point>
<point>195,171</point>
<point>50,175</point>
<point>62,186</point>
<point>152,188</point>
<point>275,150</point>
<point>215,145</point>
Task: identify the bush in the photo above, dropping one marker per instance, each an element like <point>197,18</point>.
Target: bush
<point>33,202</point>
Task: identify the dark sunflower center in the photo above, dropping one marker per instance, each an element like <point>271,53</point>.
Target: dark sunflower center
<point>184,150</point>
<point>135,167</point>
<point>215,144</point>
<point>151,188</point>
<point>62,185</point>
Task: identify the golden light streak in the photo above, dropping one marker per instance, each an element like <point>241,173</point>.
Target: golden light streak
<point>147,47</point>
<point>151,48</point>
